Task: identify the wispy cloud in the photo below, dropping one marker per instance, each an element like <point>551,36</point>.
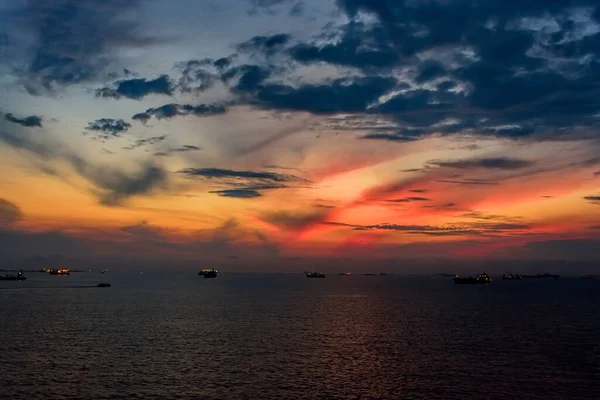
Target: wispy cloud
<point>169,111</point>
<point>503,163</point>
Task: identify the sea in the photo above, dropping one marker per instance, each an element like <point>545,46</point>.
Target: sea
<point>176,335</point>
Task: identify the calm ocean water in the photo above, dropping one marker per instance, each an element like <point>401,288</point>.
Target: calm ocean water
<point>255,336</point>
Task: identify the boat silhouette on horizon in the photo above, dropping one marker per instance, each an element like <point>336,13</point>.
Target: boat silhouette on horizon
<point>481,279</point>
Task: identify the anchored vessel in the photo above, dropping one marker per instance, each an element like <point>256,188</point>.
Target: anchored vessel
<point>18,277</point>
<point>208,273</point>
<point>314,274</point>
<point>345,273</point>
<point>62,271</point>
<point>511,277</point>
<point>104,285</point>
<point>481,279</point>
<point>588,277</point>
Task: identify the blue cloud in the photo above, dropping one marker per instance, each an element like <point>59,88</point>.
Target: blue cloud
<point>108,127</point>
<point>138,88</point>
<point>30,121</point>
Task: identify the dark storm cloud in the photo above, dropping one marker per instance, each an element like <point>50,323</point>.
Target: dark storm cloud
<point>504,163</point>
<point>358,47</point>
<point>107,128</point>
<point>266,44</point>
<point>172,110</point>
<point>73,39</point>
<point>30,121</point>
<point>249,77</point>
<point>350,94</point>
<point>597,173</point>
<point>9,213</point>
<point>139,88</point>
<point>529,70</point>
<point>336,96</point>
<point>430,70</point>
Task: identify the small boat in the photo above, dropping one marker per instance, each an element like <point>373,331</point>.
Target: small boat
<point>481,279</point>
<point>62,271</point>
<point>314,274</point>
<point>539,276</point>
<point>345,273</point>
<point>588,277</point>
<point>383,274</point>
<point>369,274</point>
<point>509,276</point>
<point>448,275</point>
<point>103,285</point>
<point>18,277</point>
<point>208,273</point>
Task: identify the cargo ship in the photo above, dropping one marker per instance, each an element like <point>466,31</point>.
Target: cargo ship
<point>509,276</point>
<point>18,277</point>
<point>481,279</point>
<point>62,271</point>
<point>208,273</point>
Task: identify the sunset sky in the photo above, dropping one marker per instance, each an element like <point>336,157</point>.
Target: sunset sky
<point>267,134</point>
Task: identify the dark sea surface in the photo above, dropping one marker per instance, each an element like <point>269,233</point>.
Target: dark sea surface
<point>267,336</point>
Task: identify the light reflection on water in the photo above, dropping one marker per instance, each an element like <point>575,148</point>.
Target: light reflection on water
<point>179,336</point>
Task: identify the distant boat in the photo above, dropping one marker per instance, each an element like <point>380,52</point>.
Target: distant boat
<point>588,277</point>
<point>62,271</point>
<point>208,273</point>
<point>383,274</point>
<point>103,285</point>
<point>18,277</point>
<point>345,273</point>
<point>369,274</point>
<point>546,275</point>
<point>314,274</point>
<point>509,276</point>
<point>482,279</point>
<point>448,275</point>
